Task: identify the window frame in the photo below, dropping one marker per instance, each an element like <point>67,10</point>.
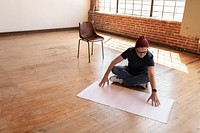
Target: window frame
<point>175,16</point>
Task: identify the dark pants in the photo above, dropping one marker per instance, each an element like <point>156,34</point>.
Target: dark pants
<point>130,80</point>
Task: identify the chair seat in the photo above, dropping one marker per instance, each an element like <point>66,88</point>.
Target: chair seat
<point>94,38</point>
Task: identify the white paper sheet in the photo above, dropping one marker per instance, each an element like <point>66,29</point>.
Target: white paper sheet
<point>128,100</point>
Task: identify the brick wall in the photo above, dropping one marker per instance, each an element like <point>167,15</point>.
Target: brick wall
<point>157,31</point>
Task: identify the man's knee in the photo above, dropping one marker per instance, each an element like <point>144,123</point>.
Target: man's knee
<point>115,70</point>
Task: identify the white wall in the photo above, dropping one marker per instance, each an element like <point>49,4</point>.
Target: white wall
<point>23,15</point>
<point>190,25</point>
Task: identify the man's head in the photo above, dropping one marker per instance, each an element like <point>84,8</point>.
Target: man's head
<point>141,46</point>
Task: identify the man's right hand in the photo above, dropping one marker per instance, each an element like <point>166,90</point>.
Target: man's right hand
<point>103,82</point>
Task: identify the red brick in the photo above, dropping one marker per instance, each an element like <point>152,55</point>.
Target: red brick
<point>166,32</point>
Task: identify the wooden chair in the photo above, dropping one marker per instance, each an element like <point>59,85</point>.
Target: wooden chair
<point>88,34</point>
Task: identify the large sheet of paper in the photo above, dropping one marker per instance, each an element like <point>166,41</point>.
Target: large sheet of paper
<point>128,100</point>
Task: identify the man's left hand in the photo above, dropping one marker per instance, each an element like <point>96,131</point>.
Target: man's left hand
<point>155,100</point>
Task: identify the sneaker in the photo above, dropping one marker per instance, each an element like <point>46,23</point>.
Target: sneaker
<point>116,79</point>
<point>143,85</point>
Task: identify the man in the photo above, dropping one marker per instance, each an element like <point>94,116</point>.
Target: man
<point>140,69</point>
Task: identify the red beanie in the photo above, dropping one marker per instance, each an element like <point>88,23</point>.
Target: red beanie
<point>141,42</point>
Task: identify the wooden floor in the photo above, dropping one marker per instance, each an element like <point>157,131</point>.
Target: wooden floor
<point>40,77</point>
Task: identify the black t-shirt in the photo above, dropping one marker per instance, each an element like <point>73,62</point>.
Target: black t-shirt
<point>137,65</point>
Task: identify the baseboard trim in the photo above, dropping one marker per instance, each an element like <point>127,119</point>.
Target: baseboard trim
<point>3,34</point>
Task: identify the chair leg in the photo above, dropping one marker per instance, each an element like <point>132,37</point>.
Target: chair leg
<point>89,51</point>
<point>92,49</point>
<point>102,49</point>
<point>78,48</point>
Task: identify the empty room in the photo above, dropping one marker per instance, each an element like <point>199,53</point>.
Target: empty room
<point>100,66</point>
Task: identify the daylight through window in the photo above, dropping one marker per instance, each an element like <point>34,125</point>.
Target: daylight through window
<point>158,9</point>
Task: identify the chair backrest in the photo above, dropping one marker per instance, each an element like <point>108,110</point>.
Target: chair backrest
<point>86,29</point>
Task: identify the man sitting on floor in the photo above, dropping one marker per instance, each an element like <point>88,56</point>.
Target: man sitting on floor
<point>140,69</point>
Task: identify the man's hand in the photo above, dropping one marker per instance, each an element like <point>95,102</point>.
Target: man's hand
<point>103,81</point>
<point>155,100</point>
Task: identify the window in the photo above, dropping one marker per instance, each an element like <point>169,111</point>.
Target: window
<point>109,6</point>
<point>158,9</point>
<point>135,7</point>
